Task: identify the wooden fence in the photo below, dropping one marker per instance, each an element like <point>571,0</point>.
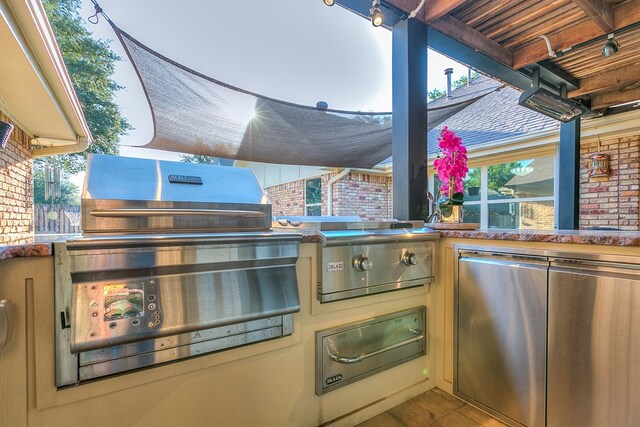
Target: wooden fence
<point>54,219</point>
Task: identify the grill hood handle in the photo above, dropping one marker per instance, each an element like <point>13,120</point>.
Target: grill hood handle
<point>146,212</point>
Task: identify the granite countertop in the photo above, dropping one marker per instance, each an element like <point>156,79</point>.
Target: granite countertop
<point>28,245</point>
<point>580,237</point>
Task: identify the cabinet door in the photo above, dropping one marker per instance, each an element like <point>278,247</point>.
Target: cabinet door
<point>13,356</point>
<point>501,335</point>
<point>594,345</point>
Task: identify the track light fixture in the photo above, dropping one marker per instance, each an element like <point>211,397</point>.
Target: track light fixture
<point>329,2</point>
<point>610,46</point>
<point>375,14</point>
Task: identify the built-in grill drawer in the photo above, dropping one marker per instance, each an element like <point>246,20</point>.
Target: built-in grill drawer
<point>355,351</point>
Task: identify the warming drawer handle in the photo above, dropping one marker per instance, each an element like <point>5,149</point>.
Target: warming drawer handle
<point>4,323</point>
<point>336,357</point>
<point>132,213</point>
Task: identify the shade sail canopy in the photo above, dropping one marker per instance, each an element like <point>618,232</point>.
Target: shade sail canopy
<point>196,114</point>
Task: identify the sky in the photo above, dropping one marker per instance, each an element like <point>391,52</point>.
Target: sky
<point>294,50</point>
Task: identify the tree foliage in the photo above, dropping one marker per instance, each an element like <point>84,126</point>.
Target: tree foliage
<point>462,81</point>
<point>70,193</point>
<point>435,94</point>
<point>199,158</point>
<point>91,64</point>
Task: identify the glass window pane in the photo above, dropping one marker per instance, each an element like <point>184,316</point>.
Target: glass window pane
<point>471,213</point>
<point>472,187</point>
<point>313,193</point>
<point>314,210</point>
<point>522,179</point>
<point>524,215</point>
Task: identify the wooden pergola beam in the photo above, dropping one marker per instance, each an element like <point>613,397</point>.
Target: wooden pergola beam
<point>608,99</point>
<point>599,12</point>
<point>458,30</point>
<point>609,81</point>
<point>435,9</point>
<point>624,15</point>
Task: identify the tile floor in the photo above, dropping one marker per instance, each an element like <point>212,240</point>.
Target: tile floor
<point>434,408</point>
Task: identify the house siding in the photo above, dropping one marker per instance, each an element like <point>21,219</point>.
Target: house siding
<point>613,201</point>
<point>16,183</point>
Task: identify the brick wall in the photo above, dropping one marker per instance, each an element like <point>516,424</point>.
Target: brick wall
<point>368,196</point>
<point>357,194</point>
<point>536,216</point>
<point>611,202</point>
<point>16,188</point>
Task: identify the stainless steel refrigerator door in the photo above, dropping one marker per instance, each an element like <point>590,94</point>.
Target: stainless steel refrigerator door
<point>501,304</point>
<point>594,344</point>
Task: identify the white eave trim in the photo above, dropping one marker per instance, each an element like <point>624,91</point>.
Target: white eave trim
<point>29,25</point>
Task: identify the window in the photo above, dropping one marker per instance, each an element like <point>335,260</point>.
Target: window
<point>520,194</point>
<point>514,195</point>
<point>313,197</point>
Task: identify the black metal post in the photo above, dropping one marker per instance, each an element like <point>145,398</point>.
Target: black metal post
<point>409,105</point>
<point>568,197</point>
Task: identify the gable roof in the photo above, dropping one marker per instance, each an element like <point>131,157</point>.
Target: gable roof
<point>491,118</point>
<point>493,115</point>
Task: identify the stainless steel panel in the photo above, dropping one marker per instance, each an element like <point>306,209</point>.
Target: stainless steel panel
<point>594,343</point>
<point>501,305</point>
<point>170,196</point>
<point>123,311</point>
<point>116,359</point>
<point>355,351</point>
<point>120,299</point>
<point>128,178</point>
<point>349,271</point>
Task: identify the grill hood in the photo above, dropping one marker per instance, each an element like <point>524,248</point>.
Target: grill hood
<point>125,195</point>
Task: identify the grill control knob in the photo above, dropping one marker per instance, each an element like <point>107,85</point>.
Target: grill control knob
<point>409,258</point>
<point>362,263</point>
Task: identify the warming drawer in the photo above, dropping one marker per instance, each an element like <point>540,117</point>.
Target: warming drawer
<point>355,351</point>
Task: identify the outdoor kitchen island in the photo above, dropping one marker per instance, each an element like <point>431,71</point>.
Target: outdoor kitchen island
<point>269,383</point>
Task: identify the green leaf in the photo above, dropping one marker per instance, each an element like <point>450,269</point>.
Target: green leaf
<point>446,210</point>
<point>457,199</point>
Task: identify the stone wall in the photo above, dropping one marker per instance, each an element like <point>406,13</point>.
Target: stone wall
<point>611,202</point>
<point>16,183</point>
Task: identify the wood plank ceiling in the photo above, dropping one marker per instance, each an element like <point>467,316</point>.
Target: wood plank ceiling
<point>509,31</point>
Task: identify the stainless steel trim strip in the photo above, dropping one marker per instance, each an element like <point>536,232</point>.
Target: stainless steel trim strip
<point>146,212</point>
<point>366,237</point>
<point>355,359</point>
<point>137,240</point>
<point>369,290</point>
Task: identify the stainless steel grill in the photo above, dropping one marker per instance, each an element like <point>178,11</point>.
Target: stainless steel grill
<point>357,258</point>
<point>176,260</point>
